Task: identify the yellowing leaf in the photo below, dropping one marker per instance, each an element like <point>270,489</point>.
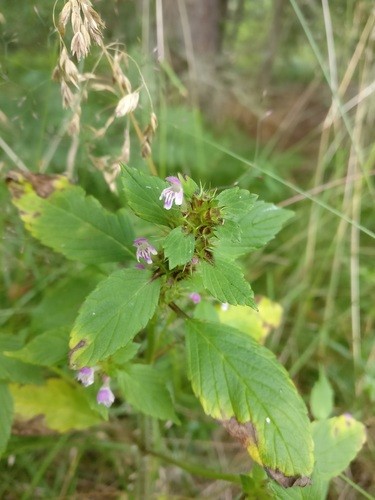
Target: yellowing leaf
<point>62,217</point>
<point>257,324</point>
<point>63,405</point>
<point>337,442</point>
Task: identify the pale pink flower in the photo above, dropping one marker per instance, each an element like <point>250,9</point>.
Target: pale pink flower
<point>195,297</point>
<point>105,396</point>
<point>86,376</point>
<point>174,193</point>
<point>144,250</point>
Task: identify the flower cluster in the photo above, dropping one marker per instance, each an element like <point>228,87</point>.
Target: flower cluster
<point>174,193</point>
<point>105,396</point>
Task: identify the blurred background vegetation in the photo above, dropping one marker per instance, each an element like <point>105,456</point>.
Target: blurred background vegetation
<point>276,96</point>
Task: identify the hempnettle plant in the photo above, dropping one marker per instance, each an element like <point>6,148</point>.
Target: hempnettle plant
<point>156,283</point>
<point>159,302</point>
<point>170,280</point>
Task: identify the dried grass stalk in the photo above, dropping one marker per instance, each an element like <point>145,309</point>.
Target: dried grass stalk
<point>149,135</point>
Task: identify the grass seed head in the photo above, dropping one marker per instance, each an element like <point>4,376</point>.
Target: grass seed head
<point>127,104</point>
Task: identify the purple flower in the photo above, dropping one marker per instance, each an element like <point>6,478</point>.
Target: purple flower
<point>86,376</point>
<point>144,250</point>
<point>195,297</point>
<point>105,396</point>
<point>174,193</point>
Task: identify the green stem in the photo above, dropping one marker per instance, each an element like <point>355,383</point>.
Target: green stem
<point>356,487</point>
<point>180,313</point>
<point>151,341</point>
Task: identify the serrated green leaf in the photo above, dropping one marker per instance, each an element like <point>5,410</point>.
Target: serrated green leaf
<point>226,283</point>
<point>46,349</point>
<point>241,383</point>
<point>61,302</point>
<point>112,315</point>
<point>9,342</point>
<point>235,202</point>
<point>70,409</point>
<point>77,226</point>
<point>126,353</point>
<point>143,193</point>
<point>229,231</point>
<point>258,227</point>
<point>337,442</point>
<point>179,247</point>
<point>6,416</point>
<point>14,370</point>
<point>144,388</point>
<point>321,399</point>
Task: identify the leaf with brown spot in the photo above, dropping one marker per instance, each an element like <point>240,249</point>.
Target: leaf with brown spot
<point>287,481</point>
<point>241,383</point>
<point>244,433</point>
<point>80,345</point>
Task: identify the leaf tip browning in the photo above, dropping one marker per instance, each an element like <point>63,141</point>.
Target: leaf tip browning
<point>287,481</point>
<point>246,434</point>
<point>43,185</point>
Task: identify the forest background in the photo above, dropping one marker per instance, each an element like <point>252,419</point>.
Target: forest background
<point>276,96</point>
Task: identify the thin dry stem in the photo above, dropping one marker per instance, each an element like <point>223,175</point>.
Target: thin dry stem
<point>356,214</point>
<point>72,155</point>
<point>189,49</point>
<point>330,45</point>
<point>160,31</point>
<point>12,155</point>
